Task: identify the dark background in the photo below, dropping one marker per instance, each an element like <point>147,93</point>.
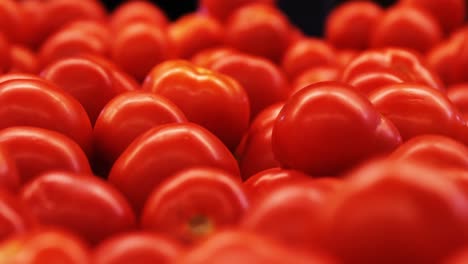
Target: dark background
<point>309,17</point>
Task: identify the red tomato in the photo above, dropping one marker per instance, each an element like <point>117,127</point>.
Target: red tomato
<point>136,48</point>
<point>36,150</point>
<point>14,217</point>
<point>263,81</point>
<point>266,34</point>
<point>126,117</point>
<point>44,246</point>
<point>394,212</point>
<point>12,21</point>
<point>9,175</point>
<point>373,69</point>
<point>433,150</point>
<point>21,76</point>
<point>305,54</point>
<point>33,11</point>
<point>344,57</point>
<point>213,100</point>
<point>350,25</point>
<point>23,60</point>
<point>458,95</point>
<point>233,246</point>
<point>141,248</point>
<point>163,151</point>
<point>132,12</point>
<point>82,203</point>
<point>222,9</point>
<point>460,257</point>
<point>418,109</point>
<point>94,93</point>
<point>315,75</point>
<point>28,102</point>
<point>195,203</point>
<point>195,32</point>
<point>406,27</point>
<point>5,55</point>
<point>255,152</point>
<point>320,121</point>
<point>205,58</point>
<point>450,14</point>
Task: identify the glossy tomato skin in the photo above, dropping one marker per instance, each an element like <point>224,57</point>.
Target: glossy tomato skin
<point>213,100</point>
<point>350,25</point>
<point>126,117</point>
<point>458,95</point>
<point>5,54</point>
<point>9,175</point>
<point>195,203</point>
<point>23,60</point>
<point>12,23</point>
<point>45,246</point>
<point>267,34</point>
<point>222,10</point>
<point>206,57</point>
<point>59,198</point>
<point>418,109</point>
<point>459,257</point>
<point>315,75</point>
<point>330,112</point>
<point>33,102</point>
<point>422,214</point>
<point>255,152</point>
<point>136,12</point>
<point>15,218</point>
<point>36,150</point>
<point>136,247</point>
<point>162,151</point>
<point>406,27</point>
<point>195,32</point>
<point>264,83</point>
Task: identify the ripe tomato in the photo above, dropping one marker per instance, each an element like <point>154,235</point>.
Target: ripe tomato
<point>195,32</point>
<point>138,247</point>
<point>195,203</point>
<point>9,175</point>
<point>33,15</point>
<point>205,58</point>
<point>163,151</point>
<point>222,10</point>
<point>29,102</point>
<point>44,246</point>
<point>350,25</point>
<point>133,12</point>
<point>12,21</point>
<point>15,217</point>
<point>321,120</point>
<point>315,75</point>
<point>36,150</point>
<point>458,95</point>
<point>5,55</point>
<point>460,257</point>
<point>23,60</point>
<point>59,198</point>
<point>213,100</point>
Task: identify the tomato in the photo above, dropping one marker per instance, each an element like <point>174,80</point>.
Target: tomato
<point>126,117</point>
<point>450,14</point>
<point>422,214</point>
<point>36,150</point>
<point>305,54</point>
<point>137,247</point>
<point>194,32</point>
<point>460,257</point>
<point>15,218</point>
<point>94,93</point>
<point>59,198</point>
<point>255,152</point>
<point>213,100</point>
<point>320,121</point>
<point>138,47</point>
<point>162,151</point>
<point>195,203</point>
<point>33,11</point>
<point>375,68</point>
<point>458,95</point>
<point>5,55</point>
<point>23,60</point>
<point>232,246</point>
<point>264,83</point>
<point>344,57</point>
<point>28,102</point>
<point>222,10</point>
<point>417,109</point>
<point>350,25</point>
<point>9,175</point>
<point>12,21</point>
<point>406,27</point>
<point>22,76</point>
<point>205,58</point>
<point>315,75</point>
<point>135,12</point>
<point>44,246</point>
<point>267,34</point>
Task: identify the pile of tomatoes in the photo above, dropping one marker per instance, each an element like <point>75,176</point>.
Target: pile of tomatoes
<point>228,136</point>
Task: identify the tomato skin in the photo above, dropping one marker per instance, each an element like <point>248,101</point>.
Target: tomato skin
<point>9,175</point>
<point>423,214</point>
<point>136,12</point>
<point>15,219</point>
<point>459,257</point>
<point>263,182</point>
<point>267,34</point>
<point>36,150</point>
<point>222,10</point>
<point>305,54</point>
<point>315,75</point>
<point>418,109</point>
<point>58,199</point>
<point>5,55</point>
<point>458,95</point>
<point>205,58</point>
<point>23,60</point>
<point>321,113</point>
<point>194,204</point>
<point>264,83</point>
<point>45,246</point>
<point>350,25</point>
<point>195,32</point>
<point>12,21</point>
<point>129,115</point>
<point>46,106</point>
<point>406,27</point>
<point>162,151</point>
<point>138,47</point>
<point>200,93</point>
